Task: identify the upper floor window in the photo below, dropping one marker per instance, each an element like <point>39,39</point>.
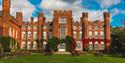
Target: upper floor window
<point>62,20</point>
<point>44,35</point>
<point>90,34</point>
<point>75,34</point>
<point>10,31</point>
<point>96,35</point>
<point>102,35</point>
<point>23,35</point>
<point>16,34</point>
<point>29,35</point>
<point>80,35</point>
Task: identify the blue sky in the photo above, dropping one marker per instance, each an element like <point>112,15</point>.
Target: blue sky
<point>94,7</point>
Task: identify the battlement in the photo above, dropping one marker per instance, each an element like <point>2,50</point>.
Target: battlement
<point>62,11</point>
<point>106,14</point>
<point>85,14</point>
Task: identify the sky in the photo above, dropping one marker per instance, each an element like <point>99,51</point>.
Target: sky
<point>95,8</point>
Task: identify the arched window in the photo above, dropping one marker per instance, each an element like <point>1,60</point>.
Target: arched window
<point>35,35</point>
<point>96,45</point>
<point>90,34</point>
<point>34,45</point>
<point>75,34</point>
<point>90,46</point>
<point>23,35</point>
<point>102,34</point>
<point>44,35</point>
<point>23,45</point>
<point>102,46</point>
<point>29,34</point>
<point>44,45</point>
<point>80,35</point>
<point>96,35</point>
<point>29,45</point>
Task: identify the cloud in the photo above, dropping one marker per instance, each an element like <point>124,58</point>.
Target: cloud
<point>0,4</point>
<point>74,5</point>
<point>23,6</point>
<point>108,3</point>
<point>117,11</point>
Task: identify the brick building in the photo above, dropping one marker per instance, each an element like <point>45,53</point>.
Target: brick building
<point>93,34</point>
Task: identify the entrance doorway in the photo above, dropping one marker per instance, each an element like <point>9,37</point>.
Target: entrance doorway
<point>62,47</point>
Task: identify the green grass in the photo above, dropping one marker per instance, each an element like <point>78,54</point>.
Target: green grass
<point>39,58</point>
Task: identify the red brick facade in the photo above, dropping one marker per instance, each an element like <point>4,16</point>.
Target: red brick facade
<point>27,34</point>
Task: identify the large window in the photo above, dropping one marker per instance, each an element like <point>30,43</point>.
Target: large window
<point>96,35</point>
<point>102,45</point>
<point>13,32</point>
<point>90,34</point>
<point>16,34</point>
<point>34,45</point>
<point>62,20</point>
<point>78,45</point>
<point>62,33</point>
<point>96,46</point>
<point>23,35</point>
<point>35,35</point>
<point>80,35</point>
<point>44,35</point>
<point>102,34</point>
<point>10,31</point>
<point>29,35</point>
<point>29,45</point>
<point>23,45</point>
<point>90,46</point>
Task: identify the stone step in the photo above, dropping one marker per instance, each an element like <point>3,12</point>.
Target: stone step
<point>62,52</point>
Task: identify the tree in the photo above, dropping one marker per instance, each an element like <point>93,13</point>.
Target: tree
<point>7,43</point>
<point>117,41</point>
<point>53,44</point>
<point>70,43</point>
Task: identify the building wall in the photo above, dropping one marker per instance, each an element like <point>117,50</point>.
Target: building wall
<point>85,32</point>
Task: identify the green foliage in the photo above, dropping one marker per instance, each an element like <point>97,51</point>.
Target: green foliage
<point>53,43</point>
<point>7,42</point>
<point>118,41</point>
<point>70,44</point>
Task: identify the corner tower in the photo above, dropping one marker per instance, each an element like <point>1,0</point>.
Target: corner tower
<point>5,16</point>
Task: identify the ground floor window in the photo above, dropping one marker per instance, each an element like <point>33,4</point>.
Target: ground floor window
<point>102,46</point>
<point>23,45</point>
<point>96,46</point>
<point>29,45</point>
<point>79,45</point>
<point>34,45</point>
<point>44,45</point>
<point>90,46</point>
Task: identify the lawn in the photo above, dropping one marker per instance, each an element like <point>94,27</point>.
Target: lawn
<point>39,58</point>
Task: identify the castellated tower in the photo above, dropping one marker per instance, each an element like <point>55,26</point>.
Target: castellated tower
<point>5,16</point>
<point>62,21</point>
<point>107,28</point>
<point>41,21</point>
